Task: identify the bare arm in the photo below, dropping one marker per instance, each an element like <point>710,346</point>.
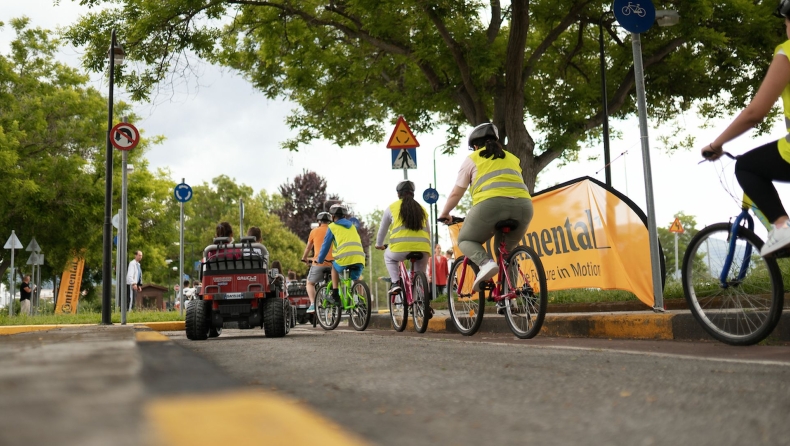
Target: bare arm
<point>452,201</point>
<point>776,79</point>
<point>307,249</point>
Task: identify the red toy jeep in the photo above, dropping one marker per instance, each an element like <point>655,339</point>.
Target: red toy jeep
<point>238,287</point>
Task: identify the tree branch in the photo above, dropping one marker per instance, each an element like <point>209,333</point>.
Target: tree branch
<point>550,38</point>
<point>496,21</point>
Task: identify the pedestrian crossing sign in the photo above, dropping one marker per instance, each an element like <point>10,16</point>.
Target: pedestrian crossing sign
<point>404,159</point>
<point>676,227</point>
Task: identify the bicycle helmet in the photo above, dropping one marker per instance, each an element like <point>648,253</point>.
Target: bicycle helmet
<point>405,186</point>
<point>783,10</point>
<point>338,210</point>
<point>484,132</point>
<point>324,216</point>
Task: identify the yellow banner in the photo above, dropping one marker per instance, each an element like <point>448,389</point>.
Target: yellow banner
<point>69,292</point>
<point>588,236</point>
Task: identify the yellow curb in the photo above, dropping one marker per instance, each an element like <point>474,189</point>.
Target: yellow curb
<point>240,418</point>
<point>384,311</point>
<point>628,326</point>
<point>438,324</point>
<point>164,326</point>
<point>150,336</point>
<point>16,329</point>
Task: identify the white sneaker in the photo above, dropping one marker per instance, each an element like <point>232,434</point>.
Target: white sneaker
<point>487,271</point>
<point>778,238</point>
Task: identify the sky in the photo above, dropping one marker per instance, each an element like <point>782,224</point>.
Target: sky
<point>224,126</point>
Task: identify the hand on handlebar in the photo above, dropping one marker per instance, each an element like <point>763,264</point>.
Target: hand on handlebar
<point>710,153</point>
<point>381,248</point>
<point>449,219</point>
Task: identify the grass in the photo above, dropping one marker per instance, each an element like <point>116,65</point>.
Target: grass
<point>89,318</point>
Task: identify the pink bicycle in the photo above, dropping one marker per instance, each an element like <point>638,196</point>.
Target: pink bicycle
<point>412,298</point>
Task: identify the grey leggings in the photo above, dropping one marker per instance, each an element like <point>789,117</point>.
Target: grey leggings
<point>478,227</point>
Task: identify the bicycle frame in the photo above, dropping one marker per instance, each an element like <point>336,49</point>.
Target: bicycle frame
<point>407,278</point>
<point>496,292</point>
<point>743,217</point>
<point>346,303</point>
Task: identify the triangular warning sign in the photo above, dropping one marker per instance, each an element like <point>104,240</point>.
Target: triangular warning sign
<point>676,227</point>
<point>402,137</point>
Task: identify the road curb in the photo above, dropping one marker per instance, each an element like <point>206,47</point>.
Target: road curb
<point>679,325</point>
<point>155,326</point>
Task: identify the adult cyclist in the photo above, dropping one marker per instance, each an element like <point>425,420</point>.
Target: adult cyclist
<point>498,193</point>
<point>410,233</point>
<point>757,169</point>
<point>317,270</point>
<point>343,239</point>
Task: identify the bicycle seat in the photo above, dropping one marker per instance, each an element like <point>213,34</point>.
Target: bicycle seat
<point>414,256</point>
<point>508,224</point>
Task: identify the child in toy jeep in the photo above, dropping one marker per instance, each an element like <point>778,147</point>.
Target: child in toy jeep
<point>238,286</point>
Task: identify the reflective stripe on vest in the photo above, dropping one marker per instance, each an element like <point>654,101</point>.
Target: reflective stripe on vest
<point>499,177</point>
<point>403,239</point>
<point>347,245</point>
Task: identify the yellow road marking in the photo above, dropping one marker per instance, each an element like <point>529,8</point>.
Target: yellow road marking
<point>240,418</point>
<point>150,336</point>
<point>164,326</point>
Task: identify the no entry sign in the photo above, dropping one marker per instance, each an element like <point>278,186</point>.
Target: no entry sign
<point>124,136</point>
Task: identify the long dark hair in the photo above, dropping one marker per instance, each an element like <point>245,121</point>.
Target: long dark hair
<point>492,148</point>
<point>411,213</point>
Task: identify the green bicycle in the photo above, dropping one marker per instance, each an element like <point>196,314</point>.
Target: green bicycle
<point>354,300</point>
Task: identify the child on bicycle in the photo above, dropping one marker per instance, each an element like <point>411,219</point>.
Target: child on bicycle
<point>343,239</point>
<point>498,193</point>
<point>411,232</point>
<point>757,169</point>
<point>317,270</point>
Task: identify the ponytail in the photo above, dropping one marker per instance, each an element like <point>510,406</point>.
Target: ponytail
<point>492,149</point>
<point>411,213</point>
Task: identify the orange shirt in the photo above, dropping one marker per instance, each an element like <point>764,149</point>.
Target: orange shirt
<point>317,238</point>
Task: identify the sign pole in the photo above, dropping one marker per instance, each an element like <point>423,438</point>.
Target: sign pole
<point>13,278</point>
<point>181,260</point>
<point>241,218</point>
<point>433,253</point>
<point>122,266</point>
<point>676,255</point>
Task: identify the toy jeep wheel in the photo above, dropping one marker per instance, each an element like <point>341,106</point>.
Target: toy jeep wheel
<point>274,318</point>
<point>197,320</point>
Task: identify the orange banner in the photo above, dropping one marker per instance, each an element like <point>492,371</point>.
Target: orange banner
<point>588,236</point>
<point>69,292</point>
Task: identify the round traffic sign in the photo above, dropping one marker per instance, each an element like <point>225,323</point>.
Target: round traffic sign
<point>636,16</point>
<point>183,193</point>
<point>430,195</point>
<point>124,136</point>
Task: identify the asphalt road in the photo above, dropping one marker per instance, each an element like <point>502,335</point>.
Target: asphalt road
<point>405,389</point>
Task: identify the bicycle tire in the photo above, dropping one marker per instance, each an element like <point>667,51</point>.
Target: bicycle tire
<point>399,311</point>
<point>466,310</point>
<point>328,315</point>
<point>419,308</point>
<point>728,313</point>
<point>360,314</point>
<point>531,297</point>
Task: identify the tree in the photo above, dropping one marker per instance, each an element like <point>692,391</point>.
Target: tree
<point>303,199</point>
<point>352,65</point>
<point>667,240</point>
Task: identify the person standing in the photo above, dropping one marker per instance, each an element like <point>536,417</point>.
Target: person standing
<point>134,277</point>
<point>25,293</point>
<point>441,270</point>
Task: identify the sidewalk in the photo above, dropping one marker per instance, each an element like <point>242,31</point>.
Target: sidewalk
<point>124,385</point>
<point>671,325</point>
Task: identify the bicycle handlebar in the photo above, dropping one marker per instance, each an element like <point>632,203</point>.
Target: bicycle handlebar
<point>708,154</point>
<point>451,221</point>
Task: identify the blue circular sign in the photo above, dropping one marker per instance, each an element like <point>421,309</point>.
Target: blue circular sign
<point>636,16</point>
<point>430,195</point>
<point>183,193</point>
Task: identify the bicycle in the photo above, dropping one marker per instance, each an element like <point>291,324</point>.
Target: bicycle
<point>635,8</point>
<point>412,298</point>
<point>734,293</point>
<point>354,300</point>
<point>513,291</point>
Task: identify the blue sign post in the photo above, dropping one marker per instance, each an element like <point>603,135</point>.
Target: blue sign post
<point>183,193</point>
<point>430,195</point>
<point>636,16</point>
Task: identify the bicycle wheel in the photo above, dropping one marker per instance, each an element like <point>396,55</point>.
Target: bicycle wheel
<point>328,315</point>
<point>419,308</point>
<point>399,311</point>
<point>360,314</point>
<point>527,279</point>
<point>746,307</point>
<point>466,306</point>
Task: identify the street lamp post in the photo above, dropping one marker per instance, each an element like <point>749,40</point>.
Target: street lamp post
<point>605,103</point>
<point>116,56</point>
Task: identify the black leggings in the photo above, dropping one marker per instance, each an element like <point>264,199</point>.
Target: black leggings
<point>756,171</point>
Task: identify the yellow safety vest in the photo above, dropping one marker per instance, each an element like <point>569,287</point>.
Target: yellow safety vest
<point>784,143</point>
<point>347,246</point>
<point>403,239</point>
<point>499,177</point>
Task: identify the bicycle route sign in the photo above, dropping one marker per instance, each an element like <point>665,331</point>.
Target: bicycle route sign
<point>124,136</point>
<point>430,195</point>
<point>636,16</point>
<point>183,193</point>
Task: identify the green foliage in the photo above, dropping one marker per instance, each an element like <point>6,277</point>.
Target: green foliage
<point>667,240</point>
<point>88,318</point>
<point>356,64</point>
